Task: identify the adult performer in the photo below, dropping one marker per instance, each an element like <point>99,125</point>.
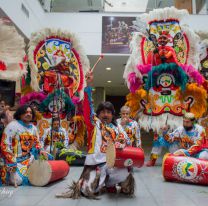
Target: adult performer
<point>96,175</point>
<point>187,140</point>
<point>190,138</point>
<point>19,146</point>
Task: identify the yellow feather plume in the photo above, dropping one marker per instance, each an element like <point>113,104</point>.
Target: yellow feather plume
<point>199,94</point>
<point>78,135</point>
<point>133,101</point>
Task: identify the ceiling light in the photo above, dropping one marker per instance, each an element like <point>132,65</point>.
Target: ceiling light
<point>108,68</point>
<point>109,81</point>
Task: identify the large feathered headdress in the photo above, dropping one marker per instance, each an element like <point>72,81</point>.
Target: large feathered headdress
<point>47,47</point>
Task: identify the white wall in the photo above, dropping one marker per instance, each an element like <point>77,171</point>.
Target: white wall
<point>87,26</point>
<point>27,25</point>
<point>197,22</point>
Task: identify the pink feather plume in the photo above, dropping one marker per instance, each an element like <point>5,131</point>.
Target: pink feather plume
<point>134,82</point>
<point>193,73</point>
<point>33,96</point>
<point>144,69</point>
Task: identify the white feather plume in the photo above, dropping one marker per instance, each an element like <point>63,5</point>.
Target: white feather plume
<point>164,14</point>
<point>203,45</point>
<point>12,52</point>
<point>156,122</point>
<point>134,58</point>
<point>193,38</point>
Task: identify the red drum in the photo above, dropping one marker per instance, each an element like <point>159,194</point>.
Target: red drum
<point>42,172</point>
<point>185,169</point>
<point>127,157</point>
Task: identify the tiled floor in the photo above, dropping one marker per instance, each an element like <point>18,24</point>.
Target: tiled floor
<point>151,190</point>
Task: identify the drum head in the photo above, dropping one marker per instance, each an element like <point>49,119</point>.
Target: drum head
<point>110,155</point>
<point>39,173</point>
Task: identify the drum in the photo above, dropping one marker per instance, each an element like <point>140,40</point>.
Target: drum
<point>185,169</point>
<point>127,157</point>
<point>42,172</point>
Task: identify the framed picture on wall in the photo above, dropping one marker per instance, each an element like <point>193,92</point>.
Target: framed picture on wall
<point>117,34</point>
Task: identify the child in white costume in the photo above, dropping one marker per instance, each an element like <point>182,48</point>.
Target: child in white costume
<point>59,135</point>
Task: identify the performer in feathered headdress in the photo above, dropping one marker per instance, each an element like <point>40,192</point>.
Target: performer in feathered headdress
<point>57,72</point>
<point>162,73</point>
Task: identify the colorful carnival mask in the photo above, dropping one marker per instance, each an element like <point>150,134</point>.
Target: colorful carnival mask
<point>48,48</point>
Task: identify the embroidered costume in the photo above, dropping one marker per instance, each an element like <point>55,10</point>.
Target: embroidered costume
<point>19,146</point>
<point>158,144</point>
<point>96,176</point>
<point>103,134</point>
<point>95,162</point>
<point>133,131</point>
<point>192,143</point>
